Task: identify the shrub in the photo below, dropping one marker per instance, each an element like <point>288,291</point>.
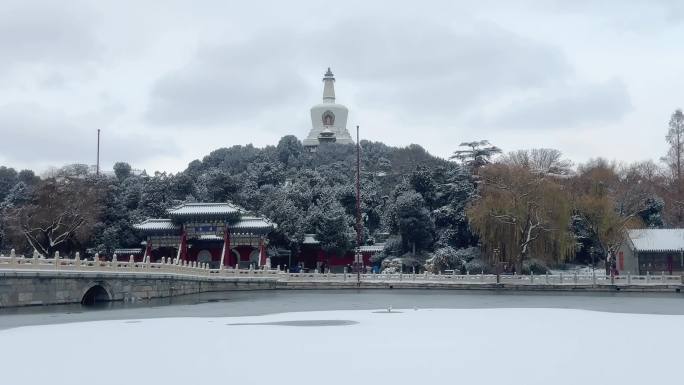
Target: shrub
<point>443,259</point>
<point>534,265</point>
<point>477,265</point>
<point>392,249</point>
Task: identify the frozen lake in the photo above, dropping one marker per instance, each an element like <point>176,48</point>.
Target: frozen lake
<point>232,304</point>
<point>406,346</point>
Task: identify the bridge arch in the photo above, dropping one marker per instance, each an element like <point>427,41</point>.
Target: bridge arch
<point>95,292</point>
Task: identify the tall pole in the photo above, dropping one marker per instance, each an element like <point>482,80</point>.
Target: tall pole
<point>97,166</point>
<point>358,206</point>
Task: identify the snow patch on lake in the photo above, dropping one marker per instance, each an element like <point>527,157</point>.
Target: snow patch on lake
<point>484,346</point>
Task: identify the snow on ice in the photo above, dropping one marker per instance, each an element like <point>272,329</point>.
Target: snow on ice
<point>406,346</point>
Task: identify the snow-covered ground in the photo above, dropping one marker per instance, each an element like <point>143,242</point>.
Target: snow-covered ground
<point>407,346</point>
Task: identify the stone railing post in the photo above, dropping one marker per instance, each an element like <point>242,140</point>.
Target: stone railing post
<point>593,277</point>
<point>629,278</point>
<point>56,259</point>
<point>561,278</point>
<point>531,276</point>
<point>648,277</point>
<point>547,278</point>
<point>574,278</point>
<point>13,257</point>
<point>96,260</point>
<point>36,257</point>
<point>131,262</point>
<point>114,260</point>
<point>77,259</point>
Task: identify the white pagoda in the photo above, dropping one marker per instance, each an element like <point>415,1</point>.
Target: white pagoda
<point>328,119</point>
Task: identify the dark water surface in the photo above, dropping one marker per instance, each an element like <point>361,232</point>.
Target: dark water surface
<point>249,303</point>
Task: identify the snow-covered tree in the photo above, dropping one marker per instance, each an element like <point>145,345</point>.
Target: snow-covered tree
<point>413,221</point>
<point>122,170</point>
<point>519,214</point>
<point>62,212</point>
<point>476,154</point>
<point>8,178</point>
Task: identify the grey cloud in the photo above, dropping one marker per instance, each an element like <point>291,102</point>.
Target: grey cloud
<point>225,84</point>
<point>34,136</point>
<point>566,107</point>
<point>439,70</point>
<point>412,66</point>
<point>52,36</point>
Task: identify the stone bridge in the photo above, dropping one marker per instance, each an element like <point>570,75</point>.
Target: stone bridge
<point>40,281</point>
<point>23,288</point>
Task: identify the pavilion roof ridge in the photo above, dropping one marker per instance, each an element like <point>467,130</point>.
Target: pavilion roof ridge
<point>205,208</point>
<point>156,224</point>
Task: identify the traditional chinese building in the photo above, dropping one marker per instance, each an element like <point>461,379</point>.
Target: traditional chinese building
<point>312,256</point>
<point>652,251</point>
<point>214,233</point>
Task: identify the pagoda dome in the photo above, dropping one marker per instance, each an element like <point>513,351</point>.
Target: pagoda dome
<point>328,115</point>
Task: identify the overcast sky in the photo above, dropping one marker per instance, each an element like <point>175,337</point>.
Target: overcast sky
<point>169,81</point>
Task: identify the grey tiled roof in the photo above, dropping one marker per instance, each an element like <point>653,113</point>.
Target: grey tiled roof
<point>657,239</point>
<point>373,248</point>
<point>204,209</point>
<point>310,239</point>
<point>252,222</point>
<point>156,224</point>
<point>127,251</point>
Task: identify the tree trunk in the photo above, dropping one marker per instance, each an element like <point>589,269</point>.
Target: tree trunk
<point>519,265</point>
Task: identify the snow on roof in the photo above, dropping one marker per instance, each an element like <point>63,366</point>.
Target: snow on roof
<point>210,237</point>
<point>156,224</point>
<point>373,248</point>
<point>127,251</point>
<point>204,209</point>
<point>657,239</point>
<point>252,222</point>
<point>310,239</point>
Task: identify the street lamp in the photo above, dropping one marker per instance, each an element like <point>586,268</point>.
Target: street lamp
<point>593,266</point>
<point>497,264</point>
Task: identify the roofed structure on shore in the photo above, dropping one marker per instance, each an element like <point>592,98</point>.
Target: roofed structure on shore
<point>652,250</point>
<point>220,234</point>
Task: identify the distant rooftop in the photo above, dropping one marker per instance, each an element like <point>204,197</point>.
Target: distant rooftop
<point>252,222</point>
<point>156,224</point>
<point>245,224</point>
<point>211,209</point>
<point>310,239</point>
<point>657,239</point>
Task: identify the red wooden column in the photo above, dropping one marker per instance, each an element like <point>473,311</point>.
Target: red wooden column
<point>148,251</point>
<point>225,253</point>
<point>262,252</point>
<point>183,247</point>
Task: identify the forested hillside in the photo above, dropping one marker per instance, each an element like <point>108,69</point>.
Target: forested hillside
<point>405,191</point>
<point>526,208</point>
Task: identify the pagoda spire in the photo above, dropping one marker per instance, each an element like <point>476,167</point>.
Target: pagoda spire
<point>329,87</point>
